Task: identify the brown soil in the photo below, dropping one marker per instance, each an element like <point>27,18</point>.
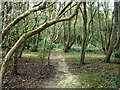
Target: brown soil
<point>29,73</point>
<point>56,77</point>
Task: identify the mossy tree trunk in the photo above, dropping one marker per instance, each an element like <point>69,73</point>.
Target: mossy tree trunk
<point>114,33</point>
<point>118,39</point>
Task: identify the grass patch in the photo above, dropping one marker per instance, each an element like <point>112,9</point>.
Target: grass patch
<point>36,57</point>
<point>90,80</point>
<point>77,48</point>
<point>30,54</point>
<point>95,73</point>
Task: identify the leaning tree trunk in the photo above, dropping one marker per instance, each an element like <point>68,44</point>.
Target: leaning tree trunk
<point>25,14</point>
<point>114,33</point>
<point>29,34</point>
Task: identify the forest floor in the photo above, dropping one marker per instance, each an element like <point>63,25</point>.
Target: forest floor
<point>57,76</point>
<point>95,73</point>
<point>64,72</point>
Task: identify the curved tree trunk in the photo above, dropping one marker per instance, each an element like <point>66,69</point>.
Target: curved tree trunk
<point>19,18</point>
<point>27,35</point>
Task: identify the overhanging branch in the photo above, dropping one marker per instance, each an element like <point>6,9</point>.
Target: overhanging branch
<point>19,18</point>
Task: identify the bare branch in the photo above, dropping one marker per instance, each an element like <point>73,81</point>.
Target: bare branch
<point>69,3</point>
<point>37,4</point>
<point>66,11</point>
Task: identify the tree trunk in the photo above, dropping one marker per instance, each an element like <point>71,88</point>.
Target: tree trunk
<point>43,56</point>
<point>118,39</point>
<point>37,41</point>
<point>67,45</point>
<point>35,46</point>
<point>113,38</point>
<point>58,34</point>
<point>101,37</point>
<point>84,33</point>
<point>110,31</point>
<point>74,37</point>
<point>14,69</point>
<point>21,52</point>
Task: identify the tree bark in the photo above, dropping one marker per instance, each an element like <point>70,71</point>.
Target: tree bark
<point>74,37</point>
<point>58,34</point>
<point>43,56</point>
<point>14,69</point>
<point>84,33</point>
<point>101,37</point>
<point>67,46</point>
<point>114,33</point>
<point>118,39</point>
<point>69,33</point>
<point>27,35</point>
<point>37,42</point>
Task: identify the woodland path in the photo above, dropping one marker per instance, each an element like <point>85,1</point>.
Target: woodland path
<point>63,78</point>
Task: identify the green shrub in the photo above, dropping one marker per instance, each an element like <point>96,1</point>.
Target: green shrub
<point>93,48</point>
<point>75,49</point>
<point>116,54</point>
<point>58,45</point>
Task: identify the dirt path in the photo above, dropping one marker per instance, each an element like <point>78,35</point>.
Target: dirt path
<point>63,78</point>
